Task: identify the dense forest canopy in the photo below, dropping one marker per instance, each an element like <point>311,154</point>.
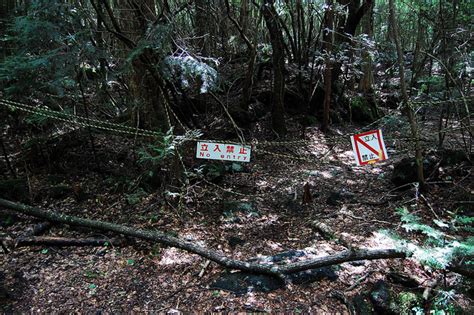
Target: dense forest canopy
<point>106,104</point>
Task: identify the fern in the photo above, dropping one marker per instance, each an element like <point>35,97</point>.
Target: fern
<point>438,249</point>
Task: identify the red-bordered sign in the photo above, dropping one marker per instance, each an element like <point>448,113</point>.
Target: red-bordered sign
<point>369,147</point>
<point>223,151</point>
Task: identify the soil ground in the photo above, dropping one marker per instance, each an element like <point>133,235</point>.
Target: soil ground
<point>148,277</point>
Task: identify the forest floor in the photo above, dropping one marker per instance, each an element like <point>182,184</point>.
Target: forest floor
<point>356,202</point>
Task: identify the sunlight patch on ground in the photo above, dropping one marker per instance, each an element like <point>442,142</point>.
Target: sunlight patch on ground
<point>172,256</point>
<point>274,245</point>
<point>379,240</point>
<point>326,174</point>
<point>319,250</point>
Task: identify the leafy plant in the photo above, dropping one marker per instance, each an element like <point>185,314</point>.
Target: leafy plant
<point>135,197</point>
<point>155,154</point>
<point>437,249</point>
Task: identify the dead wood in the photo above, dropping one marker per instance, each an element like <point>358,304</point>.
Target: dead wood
<point>329,234</point>
<point>62,241</point>
<point>157,236</point>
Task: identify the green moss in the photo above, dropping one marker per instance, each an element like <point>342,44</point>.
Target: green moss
<point>406,301</point>
<point>363,110</point>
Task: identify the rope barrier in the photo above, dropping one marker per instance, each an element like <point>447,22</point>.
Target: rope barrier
<point>256,144</point>
<point>80,121</point>
<point>135,131</point>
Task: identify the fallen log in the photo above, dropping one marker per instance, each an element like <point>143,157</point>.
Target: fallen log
<point>157,236</point>
<point>61,241</point>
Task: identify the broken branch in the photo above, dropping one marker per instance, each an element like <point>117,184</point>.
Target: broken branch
<point>156,236</point>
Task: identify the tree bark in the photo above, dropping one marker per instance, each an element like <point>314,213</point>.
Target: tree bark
<point>157,236</point>
<point>328,41</point>
<point>410,113</point>
<point>367,80</point>
<point>61,241</point>
<point>348,29</point>
<point>278,271</point>
<point>202,23</point>
<point>278,57</point>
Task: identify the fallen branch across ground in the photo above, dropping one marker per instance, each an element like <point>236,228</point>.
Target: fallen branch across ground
<point>60,241</point>
<point>156,236</point>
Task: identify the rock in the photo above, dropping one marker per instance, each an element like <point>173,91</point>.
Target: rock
<point>303,277</point>
<point>214,172</point>
<point>244,282</point>
<point>293,205</point>
<point>364,109</point>
<point>59,191</point>
<point>403,279</point>
<point>236,168</point>
<point>336,197</point>
<point>404,172</point>
<point>313,275</point>
<point>362,305</point>
<point>258,109</point>
<point>453,157</point>
<point>406,301</point>
<point>235,241</point>
<point>380,298</point>
<point>7,219</point>
<point>15,189</point>
<point>391,101</point>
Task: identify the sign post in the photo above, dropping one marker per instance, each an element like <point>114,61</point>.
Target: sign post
<point>369,147</point>
<point>223,151</point>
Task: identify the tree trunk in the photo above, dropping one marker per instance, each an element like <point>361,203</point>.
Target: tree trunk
<point>367,80</point>
<point>409,110</point>
<point>60,241</point>
<point>328,40</point>
<point>278,57</point>
<point>202,23</point>
<point>6,12</point>
<point>344,32</point>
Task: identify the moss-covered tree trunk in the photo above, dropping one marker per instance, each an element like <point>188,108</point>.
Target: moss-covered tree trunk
<point>278,58</point>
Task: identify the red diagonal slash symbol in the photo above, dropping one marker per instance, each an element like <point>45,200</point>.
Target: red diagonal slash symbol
<point>357,139</point>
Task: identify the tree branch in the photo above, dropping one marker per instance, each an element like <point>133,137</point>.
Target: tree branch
<point>156,236</point>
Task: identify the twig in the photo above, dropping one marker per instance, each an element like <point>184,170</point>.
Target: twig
<point>338,295</point>
<point>359,281</point>
<point>204,267</point>
<point>429,206</point>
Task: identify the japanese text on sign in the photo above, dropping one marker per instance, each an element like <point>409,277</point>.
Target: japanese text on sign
<point>369,147</point>
<point>223,151</point>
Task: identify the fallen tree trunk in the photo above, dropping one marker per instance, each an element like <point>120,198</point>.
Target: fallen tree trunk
<point>156,236</point>
<point>61,241</point>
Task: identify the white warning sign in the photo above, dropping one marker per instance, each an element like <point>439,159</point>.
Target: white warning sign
<point>369,147</point>
<point>223,151</point>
